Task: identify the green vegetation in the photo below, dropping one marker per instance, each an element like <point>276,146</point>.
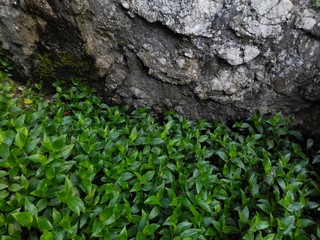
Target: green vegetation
<point>317,3</point>
<point>72,167</point>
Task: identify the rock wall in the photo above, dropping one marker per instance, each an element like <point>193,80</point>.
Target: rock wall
<point>202,58</point>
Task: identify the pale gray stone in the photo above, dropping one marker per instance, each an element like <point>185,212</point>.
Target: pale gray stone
<point>204,58</point>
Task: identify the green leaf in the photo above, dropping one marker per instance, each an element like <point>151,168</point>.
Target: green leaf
<point>152,200</point>
<point>199,185</point>
<point>248,236</point>
<point>106,213</point>
<point>15,187</point>
<point>32,145</point>
<point>155,212</point>
<point>157,141</point>
<point>134,134</point>
<point>245,213</point>
<point>20,140</point>
<point>205,206</point>
<point>191,233</point>
<point>56,216</point>
<point>44,223</point>
<point>58,143</point>
<point>140,236</point>
<point>181,227</point>
<point>19,122</point>
<point>65,151</point>
<point>315,160</point>
<point>295,207</point>
<point>293,186</point>
<point>203,138</point>
<point>3,186</point>
<point>286,222</point>
<point>136,187</point>
<point>4,151</point>
<point>265,206</point>
<point>97,227</point>
<point>125,176</point>
<point>50,173</point>
<point>30,207</point>
<point>24,218</point>
<point>68,187</point>
<point>75,204</point>
<point>143,222</point>
<point>230,230</point>
<point>150,229</point>
<point>38,158</point>
<point>46,142</point>
<point>47,236</point>
<point>123,234</point>
<point>269,236</point>
<point>261,225</point>
<point>147,177</point>
<point>304,223</point>
<point>222,155</point>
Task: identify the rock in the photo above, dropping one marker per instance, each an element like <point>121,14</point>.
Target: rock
<point>203,58</point>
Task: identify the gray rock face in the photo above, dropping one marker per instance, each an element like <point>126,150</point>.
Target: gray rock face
<point>202,58</point>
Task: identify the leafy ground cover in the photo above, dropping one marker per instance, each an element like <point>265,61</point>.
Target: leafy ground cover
<point>72,167</point>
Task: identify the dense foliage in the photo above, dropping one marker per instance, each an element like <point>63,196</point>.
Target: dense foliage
<point>72,167</point>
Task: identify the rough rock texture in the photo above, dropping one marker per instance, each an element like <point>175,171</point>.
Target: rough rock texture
<point>202,58</point>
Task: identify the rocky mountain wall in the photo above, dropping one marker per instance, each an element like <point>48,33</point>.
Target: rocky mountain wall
<point>203,58</point>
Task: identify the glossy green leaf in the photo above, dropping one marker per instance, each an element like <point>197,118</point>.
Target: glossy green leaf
<point>150,229</point>
<point>68,187</point>
<point>65,151</point>
<point>30,207</point>
<point>147,177</point>
<point>56,216</point>
<point>15,187</point>
<point>191,233</point>
<point>304,223</point>
<point>75,204</point>
<point>3,186</point>
<point>47,236</point>
<point>44,223</point>
<point>24,218</point>
<point>38,158</point>
<point>97,227</point>
<point>4,151</point>
<point>134,134</point>
<point>60,142</point>
<point>205,206</point>
<point>155,212</point>
<point>157,141</point>
<point>183,226</point>
<point>230,230</point>
<point>222,155</point>
<point>152,200</point>
<point>123,234</point>
<point>20,140</point>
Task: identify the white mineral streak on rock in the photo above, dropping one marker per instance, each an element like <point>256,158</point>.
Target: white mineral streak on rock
<point>226,82</point>
<point>306,21</point>
<point>236,54</point>
<point>193,17</point>
<point>231,54</point>
<point>250,53</point>
<point>270,15</point>
<point>263,7</point>
<point>230,82</point>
